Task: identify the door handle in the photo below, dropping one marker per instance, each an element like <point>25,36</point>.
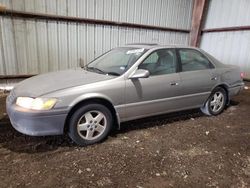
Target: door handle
<point>214,78</point>
<point>174,84</point>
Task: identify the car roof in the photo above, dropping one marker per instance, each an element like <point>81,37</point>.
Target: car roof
<point>156,46</point>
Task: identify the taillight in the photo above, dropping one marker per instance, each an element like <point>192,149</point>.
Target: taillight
<point>242,75</point>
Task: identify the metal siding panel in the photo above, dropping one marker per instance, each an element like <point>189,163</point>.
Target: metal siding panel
<point>107,38</point>
<point>115,37</point>
<point>18,5</point>
<point>9,46</point>
<point>99,10</point>
<point>138,11</point>
<point>129,36</point>
<point>130,11</point>
<point>115,10</point>
<point>227,13</point>
<point>167,37</point>
<point>82,8</point>
<point>21,45</point>
<point>156,38</point>
<point>32,60</point>
<point>29,5</point>
<point>90,8</point>
<point>123,11</point>
<point>139,35</point>
<point>42,46</point>
<point>229,47</point>
<point>40,6</point>
<point>82,47</point>
<point>51,6</point>
<point>72,7</point>
<point>72,46</point>
<point>62,8</point>
<point>122,36</point>
<point>145,10</point>
<point>90,45</point>
<point>161,37</point>
<point>53,46</point>
<point>157,12</point>
<point>63,45</point>
<point>98,40</point>
<point>2,60</point>
<point>163,13</point>
<point>107,9</point>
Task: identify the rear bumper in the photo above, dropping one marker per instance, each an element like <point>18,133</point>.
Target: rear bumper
<point>235,90</point>
<point>36,123</point>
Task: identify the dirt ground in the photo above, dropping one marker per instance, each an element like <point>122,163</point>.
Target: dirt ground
<point>184,149</point>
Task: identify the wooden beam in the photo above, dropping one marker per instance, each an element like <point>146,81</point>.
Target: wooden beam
<point>16,76</point>
<point>52,17</point>
<point>197,21</point>
<point>227,29</point>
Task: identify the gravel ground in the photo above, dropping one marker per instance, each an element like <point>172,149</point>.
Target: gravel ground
<point>184,149</point>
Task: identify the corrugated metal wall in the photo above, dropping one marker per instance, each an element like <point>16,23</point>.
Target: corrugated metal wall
<point>36,46</point>
<point>229,47</point>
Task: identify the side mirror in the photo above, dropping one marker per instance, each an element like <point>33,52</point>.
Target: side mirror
<point>81,63</point>
<point>140,73</point>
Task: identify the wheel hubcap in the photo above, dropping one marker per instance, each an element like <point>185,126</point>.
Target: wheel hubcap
<point>91,125</point>
<point>217,102</point>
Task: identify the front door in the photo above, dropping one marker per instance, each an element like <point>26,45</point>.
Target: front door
<point>155,94</point>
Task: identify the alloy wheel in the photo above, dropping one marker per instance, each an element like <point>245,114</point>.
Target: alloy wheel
<point>217,101</point>
<point>91,125</point>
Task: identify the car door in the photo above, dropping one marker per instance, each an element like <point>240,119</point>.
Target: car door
<point>155,94</point>
<point>196,77</point>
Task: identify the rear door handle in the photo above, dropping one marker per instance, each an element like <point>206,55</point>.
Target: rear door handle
<point>214,78</point>
<point>174,84</point>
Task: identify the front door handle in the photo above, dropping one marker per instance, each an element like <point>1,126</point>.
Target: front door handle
<point>174,84</point>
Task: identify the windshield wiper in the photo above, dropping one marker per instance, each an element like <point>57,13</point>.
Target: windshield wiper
<point>113,73</point>
<point>96,69</point>
<point>103,72</point>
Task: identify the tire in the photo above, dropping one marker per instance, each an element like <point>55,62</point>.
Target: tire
<point>90,124</point>
<point>216,102</point>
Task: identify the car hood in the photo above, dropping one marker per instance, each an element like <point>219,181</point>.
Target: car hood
<point>54,81</point>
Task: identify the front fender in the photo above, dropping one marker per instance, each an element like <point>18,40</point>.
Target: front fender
<point>89,96</point>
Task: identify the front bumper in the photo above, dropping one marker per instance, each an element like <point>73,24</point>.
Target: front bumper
<point>36,123</point>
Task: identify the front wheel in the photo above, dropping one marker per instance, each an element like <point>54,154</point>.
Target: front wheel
<point>216,102</point>
<point>90,124</point>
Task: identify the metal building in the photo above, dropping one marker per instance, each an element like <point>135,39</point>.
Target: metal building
<point>49,35</point>
<point>226,33</point>
<point>57,35</point>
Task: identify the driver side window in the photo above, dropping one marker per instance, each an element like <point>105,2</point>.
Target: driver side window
<point>160,62</point>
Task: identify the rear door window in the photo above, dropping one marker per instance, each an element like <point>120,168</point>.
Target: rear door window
<point>192,60</point>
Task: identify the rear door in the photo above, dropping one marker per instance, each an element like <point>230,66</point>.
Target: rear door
<point>196,77</point>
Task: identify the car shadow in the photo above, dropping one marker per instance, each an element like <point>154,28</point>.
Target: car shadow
<point>159,120</point>
<point>17,142</point>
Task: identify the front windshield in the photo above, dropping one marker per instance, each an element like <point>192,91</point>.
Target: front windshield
<point>116,61</point>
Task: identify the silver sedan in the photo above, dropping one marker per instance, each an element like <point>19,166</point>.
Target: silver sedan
<point>126,83</point>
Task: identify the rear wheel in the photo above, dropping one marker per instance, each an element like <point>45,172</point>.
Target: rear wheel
<point>90,124</point>
<point>216,102</point>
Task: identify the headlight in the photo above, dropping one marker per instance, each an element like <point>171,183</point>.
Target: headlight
<point>36,103</point>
